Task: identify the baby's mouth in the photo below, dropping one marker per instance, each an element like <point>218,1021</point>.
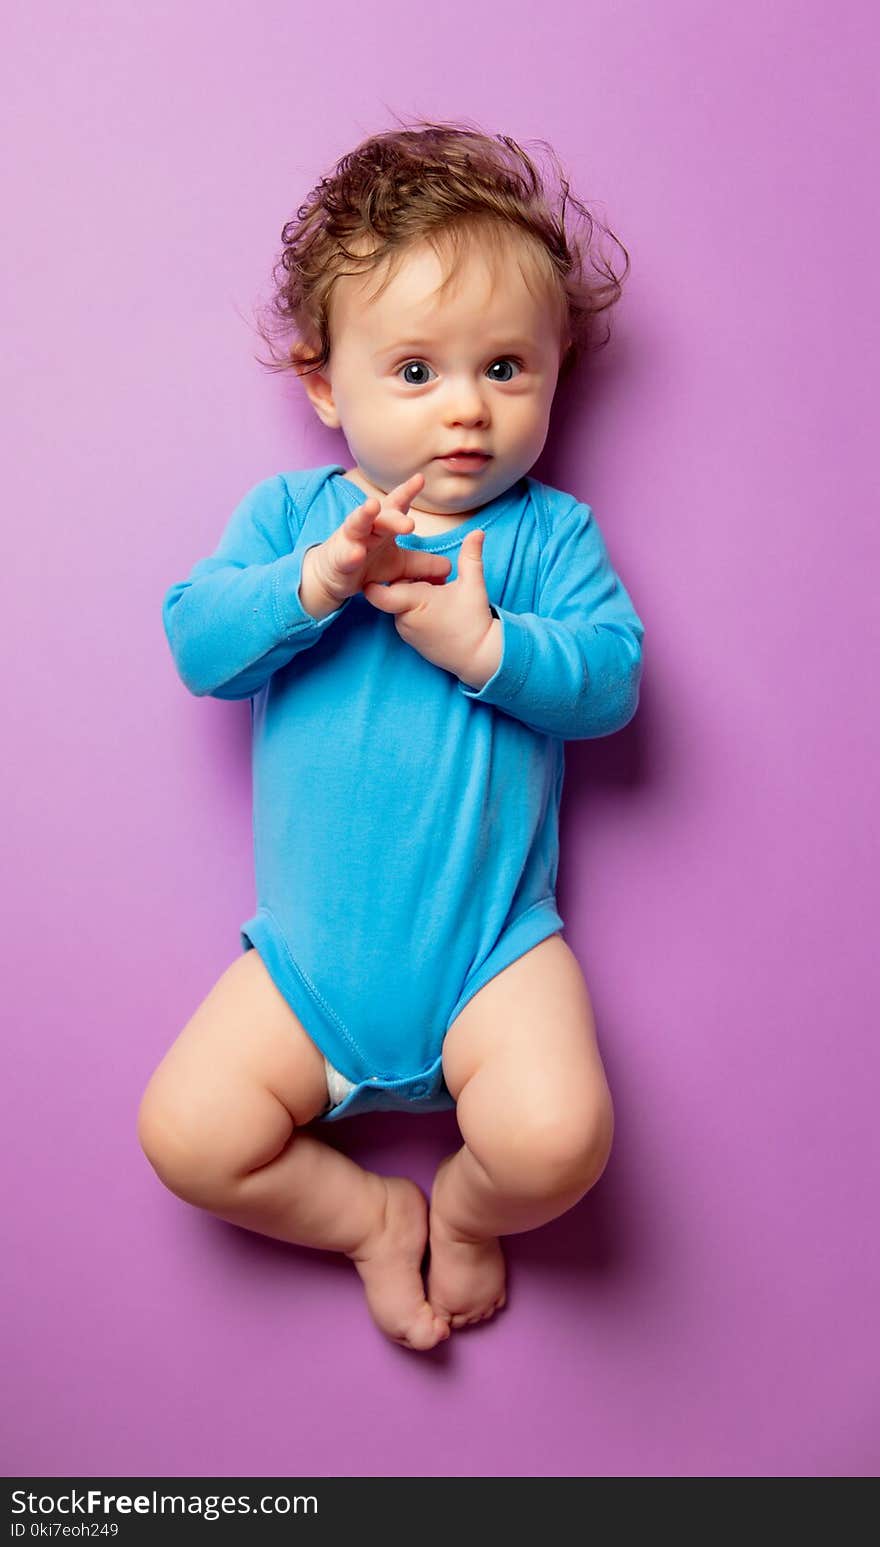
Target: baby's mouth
<point>465,462</point>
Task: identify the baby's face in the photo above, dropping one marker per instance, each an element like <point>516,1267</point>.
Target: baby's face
<point>412,378</point>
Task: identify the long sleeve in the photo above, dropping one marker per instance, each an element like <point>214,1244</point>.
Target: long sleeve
<point>573,668</point>
<point>238,616</point>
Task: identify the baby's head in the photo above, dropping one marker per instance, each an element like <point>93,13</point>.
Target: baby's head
<point>430,299</point>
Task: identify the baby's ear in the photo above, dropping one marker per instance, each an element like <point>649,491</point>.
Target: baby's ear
<point>317,386</point>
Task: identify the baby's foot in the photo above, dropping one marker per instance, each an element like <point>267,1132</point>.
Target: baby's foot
<point>465,1278</point>
<point>389,1261</point>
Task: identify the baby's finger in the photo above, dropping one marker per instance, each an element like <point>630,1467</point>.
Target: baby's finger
<point>424,566</point>
<point>399,597</point>
<point>349,556</point>
<point>359,521</point>
<point>401,496</point>
<point>393,521</point>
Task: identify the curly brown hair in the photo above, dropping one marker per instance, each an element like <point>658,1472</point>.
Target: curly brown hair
<point>447,184</point>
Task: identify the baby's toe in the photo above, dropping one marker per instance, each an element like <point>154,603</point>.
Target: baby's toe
<point>426,1331</point>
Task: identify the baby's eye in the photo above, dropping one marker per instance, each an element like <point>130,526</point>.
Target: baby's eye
<point>414,365</point>
<point>420,365</point>
<point>505,360</point>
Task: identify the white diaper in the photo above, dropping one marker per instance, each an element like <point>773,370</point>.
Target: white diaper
<point>338,1086</point>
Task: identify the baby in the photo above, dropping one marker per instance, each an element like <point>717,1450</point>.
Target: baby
<point>418,635</point>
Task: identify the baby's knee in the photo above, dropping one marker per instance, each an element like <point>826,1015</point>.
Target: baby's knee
<point>177,1151</point>
<point>548,1154</point>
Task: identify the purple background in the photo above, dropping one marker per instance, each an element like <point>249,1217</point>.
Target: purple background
<point>711,1306</point>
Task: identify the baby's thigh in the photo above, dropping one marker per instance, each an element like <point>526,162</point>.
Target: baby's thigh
<point>227,1094</point>
<point>523,1065</point>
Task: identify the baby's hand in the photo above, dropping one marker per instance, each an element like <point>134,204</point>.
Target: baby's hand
<point>363,550</point>
<point>450,625</point>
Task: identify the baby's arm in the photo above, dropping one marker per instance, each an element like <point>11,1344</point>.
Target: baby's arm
<point>571,669</point>
<point>239,616</point>
<point>254,604</point>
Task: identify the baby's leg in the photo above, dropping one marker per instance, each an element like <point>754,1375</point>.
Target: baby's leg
<point>533,1105</point>
<point>219,1122</point>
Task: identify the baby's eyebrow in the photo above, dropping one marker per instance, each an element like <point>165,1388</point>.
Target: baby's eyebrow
<point>428,343</point>
<point>405,343</point>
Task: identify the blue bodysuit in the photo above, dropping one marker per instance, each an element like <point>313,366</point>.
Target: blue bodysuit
<point>405,824</point>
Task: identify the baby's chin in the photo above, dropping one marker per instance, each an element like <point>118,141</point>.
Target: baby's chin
<point>449,494</point>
